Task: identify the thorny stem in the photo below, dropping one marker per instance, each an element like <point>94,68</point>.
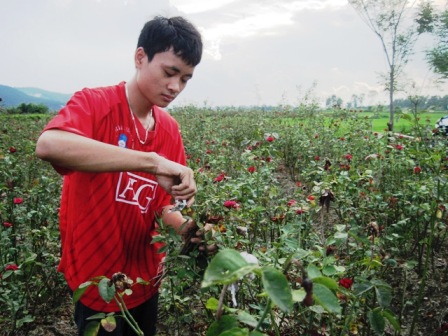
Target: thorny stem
<point>277,330</point>
<point>405,282</point>
<point>221,301</point>
<point>126,315</point>
<point>425,269</point>
<point>265,313</point>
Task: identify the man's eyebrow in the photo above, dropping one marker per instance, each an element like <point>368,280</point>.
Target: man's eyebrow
<point>174,68</point>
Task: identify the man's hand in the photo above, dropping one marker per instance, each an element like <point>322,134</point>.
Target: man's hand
<point>177,180</point>
<point>202,238</point>
<point>192,235</point>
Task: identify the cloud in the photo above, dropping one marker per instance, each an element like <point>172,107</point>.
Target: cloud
<point>245,19</point>
<point>199,6</point>
<point>256,51</point>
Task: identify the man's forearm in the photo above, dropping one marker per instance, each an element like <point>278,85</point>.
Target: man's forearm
<point>79,153</point>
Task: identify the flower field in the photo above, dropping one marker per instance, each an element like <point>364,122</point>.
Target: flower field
<point>324,227</point>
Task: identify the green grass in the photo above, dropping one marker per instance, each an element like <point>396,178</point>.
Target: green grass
<point>404,122</point>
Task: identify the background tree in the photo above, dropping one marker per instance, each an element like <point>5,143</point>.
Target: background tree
<point>333,102</point>
<point>430,21</point>
<point>389,21</point>
<point>30,108</point>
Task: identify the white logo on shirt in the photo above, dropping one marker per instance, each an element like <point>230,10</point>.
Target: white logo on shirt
<point>134,189</point>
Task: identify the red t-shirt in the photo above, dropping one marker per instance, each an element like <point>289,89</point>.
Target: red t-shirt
<point>107,219</point>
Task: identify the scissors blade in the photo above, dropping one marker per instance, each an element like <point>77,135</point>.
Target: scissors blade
<point>179,206</point>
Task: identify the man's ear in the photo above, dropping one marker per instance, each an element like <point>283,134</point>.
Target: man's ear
<point>139,57</point>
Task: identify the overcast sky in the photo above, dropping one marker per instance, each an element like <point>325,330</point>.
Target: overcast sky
<point>256,51</point>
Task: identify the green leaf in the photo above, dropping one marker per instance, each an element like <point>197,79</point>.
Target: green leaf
<point>377,321</point>
<point>329,270</point>
<point>141,281</point>
<point>225,323</point>
<point>106,292</point>
<point>383,293</point>
<point>277,287</point>
<point>313,271</point>
<point>298,295</point>
<point>325,297</point>
<point>327,282</point>
<point>235,332</point>
<point>163,249</point>
<point>341,235</point>
<point>246,318</point>
<point>226,267</point>
<point>109,323</point>
<point>80,290</point>
<point>212,304</point>
<point>256,333</point>
<point>361,287</point>
<point>300,254</point>
<point>318,309</point>
<point>92,328</point>
<point>97,316</point>
<point>392,320</point>
<point>158,238</point>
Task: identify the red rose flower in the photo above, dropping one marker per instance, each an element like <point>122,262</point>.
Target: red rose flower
<point>270,138</point>
<point>444,326</point>
<point>18,200</point>
<point>11,267</point>
<point>310,198</point>
<point>399,147</point>
<point>209,151</point>
<point>291,202</point>
<point>346,283</point>
<point>417,170</point>
<point>7,224</point>
<point>349,157</point>
<point>251,169</point>
<point>12,149</point>
<point>300,211</point>
<point>316,158</point>
<point>231,204</point>
<point>219,178</point>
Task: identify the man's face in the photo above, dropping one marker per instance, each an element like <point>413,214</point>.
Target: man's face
<point>162,79</point>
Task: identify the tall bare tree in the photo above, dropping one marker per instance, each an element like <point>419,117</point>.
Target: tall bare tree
<point>390,21</point>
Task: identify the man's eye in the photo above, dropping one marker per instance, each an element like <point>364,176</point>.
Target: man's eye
<point>168,74</point>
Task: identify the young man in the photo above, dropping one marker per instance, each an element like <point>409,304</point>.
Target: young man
<point>123,163</point>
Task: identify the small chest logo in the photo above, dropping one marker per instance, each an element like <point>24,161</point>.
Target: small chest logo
<point>122,140</point>
<point>136,190</point>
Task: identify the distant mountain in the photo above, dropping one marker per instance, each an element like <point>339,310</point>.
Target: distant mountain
<point>15,96</point>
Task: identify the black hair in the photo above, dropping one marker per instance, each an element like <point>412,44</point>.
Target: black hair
<point>161,34</point>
